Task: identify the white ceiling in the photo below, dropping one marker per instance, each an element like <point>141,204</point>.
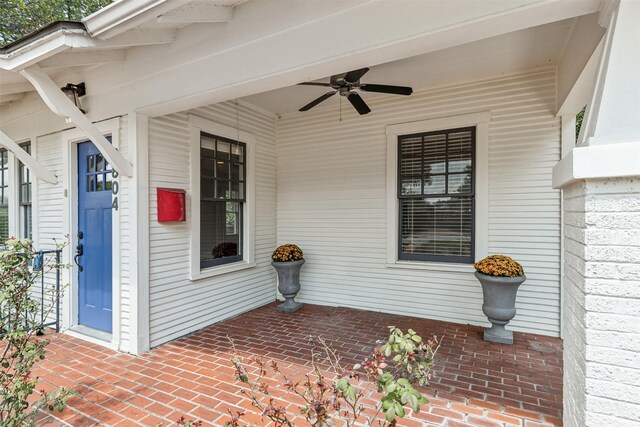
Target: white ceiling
<point>523,50</point>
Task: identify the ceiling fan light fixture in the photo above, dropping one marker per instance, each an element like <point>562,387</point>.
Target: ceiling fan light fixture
<point>345,84</point>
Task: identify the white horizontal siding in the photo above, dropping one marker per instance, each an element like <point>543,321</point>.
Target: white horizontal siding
<point>50,197</point>
<point>332,201</point>
<point>178,305</point>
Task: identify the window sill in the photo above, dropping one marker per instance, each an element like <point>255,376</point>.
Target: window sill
<point>221,269</point>
<point>432,266</point>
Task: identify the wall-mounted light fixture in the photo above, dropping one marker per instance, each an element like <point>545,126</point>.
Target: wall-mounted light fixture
<point>74,92</point>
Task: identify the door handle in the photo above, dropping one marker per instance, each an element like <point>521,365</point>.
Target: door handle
<point>79,252</point>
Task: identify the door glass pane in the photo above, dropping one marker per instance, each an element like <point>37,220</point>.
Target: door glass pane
<point>99,162</point>
<point>91,179</point>
<point>99,182</point>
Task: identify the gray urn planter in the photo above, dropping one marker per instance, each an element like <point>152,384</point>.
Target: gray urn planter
<point>289,284</point>
<point>499,305</point>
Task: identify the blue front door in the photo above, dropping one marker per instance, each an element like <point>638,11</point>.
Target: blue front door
<point>95,180</point>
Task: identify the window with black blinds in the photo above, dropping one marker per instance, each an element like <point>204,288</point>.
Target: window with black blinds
<point>436,195</point>
<point>4,196</point>
<point>222,197</point>
<point>25,194</point>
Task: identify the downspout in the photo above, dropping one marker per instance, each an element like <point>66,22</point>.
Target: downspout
<point>59,104</point>
<point>34,166</point>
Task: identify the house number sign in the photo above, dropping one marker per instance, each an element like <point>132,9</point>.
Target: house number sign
<point>115,188</point>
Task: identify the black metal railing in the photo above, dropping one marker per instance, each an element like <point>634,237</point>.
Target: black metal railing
<point>46,289</point>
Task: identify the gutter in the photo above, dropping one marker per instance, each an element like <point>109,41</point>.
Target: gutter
<point>123,15</point>
<point>42,33</point>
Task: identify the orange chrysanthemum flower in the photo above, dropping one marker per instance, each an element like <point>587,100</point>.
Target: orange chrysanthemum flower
<point>288,252</point>
<point>499,265</point>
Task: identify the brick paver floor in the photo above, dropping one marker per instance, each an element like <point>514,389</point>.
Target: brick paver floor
<point>476,383</point>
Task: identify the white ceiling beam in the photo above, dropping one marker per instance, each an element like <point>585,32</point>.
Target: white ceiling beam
<point>80,58</point>
<point>30,162</point>
<point>197,11</point>
<point>280,55</point>
<point>58,102</point>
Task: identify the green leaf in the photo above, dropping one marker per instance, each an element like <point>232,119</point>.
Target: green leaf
<point>414,403</point>
<point>390,414</point>
<point>399,409</point>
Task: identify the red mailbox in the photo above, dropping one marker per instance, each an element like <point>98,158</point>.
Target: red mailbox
<point>171,205</point>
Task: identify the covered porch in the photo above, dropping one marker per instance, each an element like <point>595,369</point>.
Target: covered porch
<point>476,383</point>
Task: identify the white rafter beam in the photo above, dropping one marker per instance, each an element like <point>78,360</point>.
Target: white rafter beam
<point>34,166</point>
<point>79,58</point>
<point>197,11</point>
<point>57,102</point>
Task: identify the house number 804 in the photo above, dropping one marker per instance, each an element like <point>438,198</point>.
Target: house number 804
<point>115,187</point>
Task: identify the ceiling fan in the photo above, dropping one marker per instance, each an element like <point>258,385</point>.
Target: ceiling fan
<point>344,84</point>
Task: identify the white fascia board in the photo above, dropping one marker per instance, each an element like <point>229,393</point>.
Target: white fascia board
<point>58,102</point>
<point>29,161</point>
<point>124,15</point>
<point>598,162</point>
<point>40,49</point>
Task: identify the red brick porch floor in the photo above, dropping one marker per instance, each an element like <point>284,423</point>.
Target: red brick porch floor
<point>476,383</point>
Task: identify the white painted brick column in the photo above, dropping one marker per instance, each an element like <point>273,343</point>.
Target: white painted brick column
<point>602,303</point>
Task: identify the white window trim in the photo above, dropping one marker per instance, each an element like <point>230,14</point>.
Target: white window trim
<point>481,122</point>
<point>197,125</point>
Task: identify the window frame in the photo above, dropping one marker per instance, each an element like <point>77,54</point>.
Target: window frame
<point>479,120</point>
<point>240,257</point>
<point>197,126</point>
<point>459,259</point>
<point>24,225</point>
<point>6,190</point>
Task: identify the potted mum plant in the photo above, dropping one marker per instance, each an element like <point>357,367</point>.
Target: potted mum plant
<point>500,277</point>
<point>287,260</point>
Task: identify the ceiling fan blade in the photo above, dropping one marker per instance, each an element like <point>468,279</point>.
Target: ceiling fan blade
<point>355,75</point>
<point>394,90</point>
<point>317,101</point>
<point>314,84</point>
<point>358,103</point>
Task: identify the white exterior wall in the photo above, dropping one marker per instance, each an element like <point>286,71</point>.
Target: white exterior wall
<point>178,305</point>
<point>51,222</point>
<point>332,201</point>
<point>602,303</point>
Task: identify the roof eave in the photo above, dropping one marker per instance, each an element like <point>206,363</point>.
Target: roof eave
<point>124,15</point>
<point>41,47</point>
